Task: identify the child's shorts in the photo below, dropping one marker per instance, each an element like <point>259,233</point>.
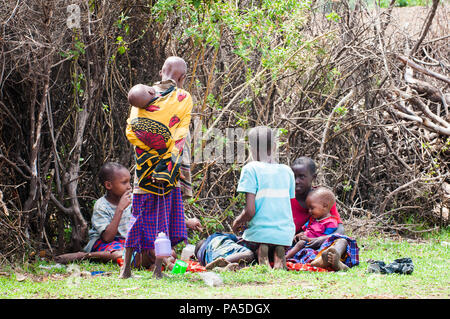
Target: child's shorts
<point>117,244</point>
<point>222,246</point>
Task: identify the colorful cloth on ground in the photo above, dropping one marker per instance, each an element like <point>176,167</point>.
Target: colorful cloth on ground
<point>301,215</point>
<point>315,228</point>
<point>350,258</point>
<point>117,244</point>
<point>102,216</point>
<point>303,267</point>
<point>195,266</point>
<point>158,133</point>
<point>274,186</point>
<point>153,214</point>
<point>219,245</point>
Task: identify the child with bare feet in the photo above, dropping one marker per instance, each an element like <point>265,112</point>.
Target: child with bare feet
<point>319,202</point>
<point>268,187</point>
<point>222,251</point>
<point>109,219</point>
<point>304,170</point>
<point>332,257</point>
<point>337,252</point>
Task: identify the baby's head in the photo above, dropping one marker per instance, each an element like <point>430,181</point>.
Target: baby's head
<point>319,202</point>
<point>262,142</point>
<point>174,68</point>
<point>115,178</point>
<point>140,95</point>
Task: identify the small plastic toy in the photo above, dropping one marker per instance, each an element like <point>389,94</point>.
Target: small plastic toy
<point>179,267</point>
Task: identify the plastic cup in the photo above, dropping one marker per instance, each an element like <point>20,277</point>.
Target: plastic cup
<point>179,267</point>
<point>187,252</point>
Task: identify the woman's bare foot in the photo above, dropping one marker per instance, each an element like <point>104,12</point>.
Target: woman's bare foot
<point>219,262</point>
<point>67,258</point>
<point>263,255</point>
<point>279,258</point>
<point>159,275</point>
<point>125,272</point>
<point>321,261</point>
<point>333,258</point>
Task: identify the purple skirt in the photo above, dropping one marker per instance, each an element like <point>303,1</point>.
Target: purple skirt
<point>152,214</point>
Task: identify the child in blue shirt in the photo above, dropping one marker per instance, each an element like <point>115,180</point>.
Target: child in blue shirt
<point>268,186</point>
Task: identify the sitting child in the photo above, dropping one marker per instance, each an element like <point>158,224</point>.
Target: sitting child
<point>110,217</point>
<point>337,252</point>
<point>223,251</point>
<point>269,186</point>
<point>319,202</point>
<point>304,170</point>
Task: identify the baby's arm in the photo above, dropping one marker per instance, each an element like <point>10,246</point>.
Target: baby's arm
<point>298,246</point>
<point>301,236</point>
<point>315,243</point>
<point>247,214</point>
<point>140,95</point>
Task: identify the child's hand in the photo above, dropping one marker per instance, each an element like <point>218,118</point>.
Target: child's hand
<point>125,200</point>
<point>237,226</point>
<point>194,224</point>
<point>301,236</point>
<point>316,242</point>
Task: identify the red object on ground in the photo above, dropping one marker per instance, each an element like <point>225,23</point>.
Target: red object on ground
<point>194,266</point>
<point>303,267</point>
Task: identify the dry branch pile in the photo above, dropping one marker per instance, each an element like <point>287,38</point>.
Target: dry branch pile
<point>368,101</point>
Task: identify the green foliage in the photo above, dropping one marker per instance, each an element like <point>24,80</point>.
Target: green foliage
<point>253,28</point>
<point>333,16</point>
<point>403,3</point>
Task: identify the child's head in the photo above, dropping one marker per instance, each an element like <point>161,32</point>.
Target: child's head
<point>174,68</point>
<point>319,202</point>
<point>262,142</point>
<point>304,170</point>
<point>140,95</point>
<point>198,246</point>
<point>115,178</point>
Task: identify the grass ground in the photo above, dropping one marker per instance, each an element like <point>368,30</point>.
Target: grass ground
<point>430,279</point>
